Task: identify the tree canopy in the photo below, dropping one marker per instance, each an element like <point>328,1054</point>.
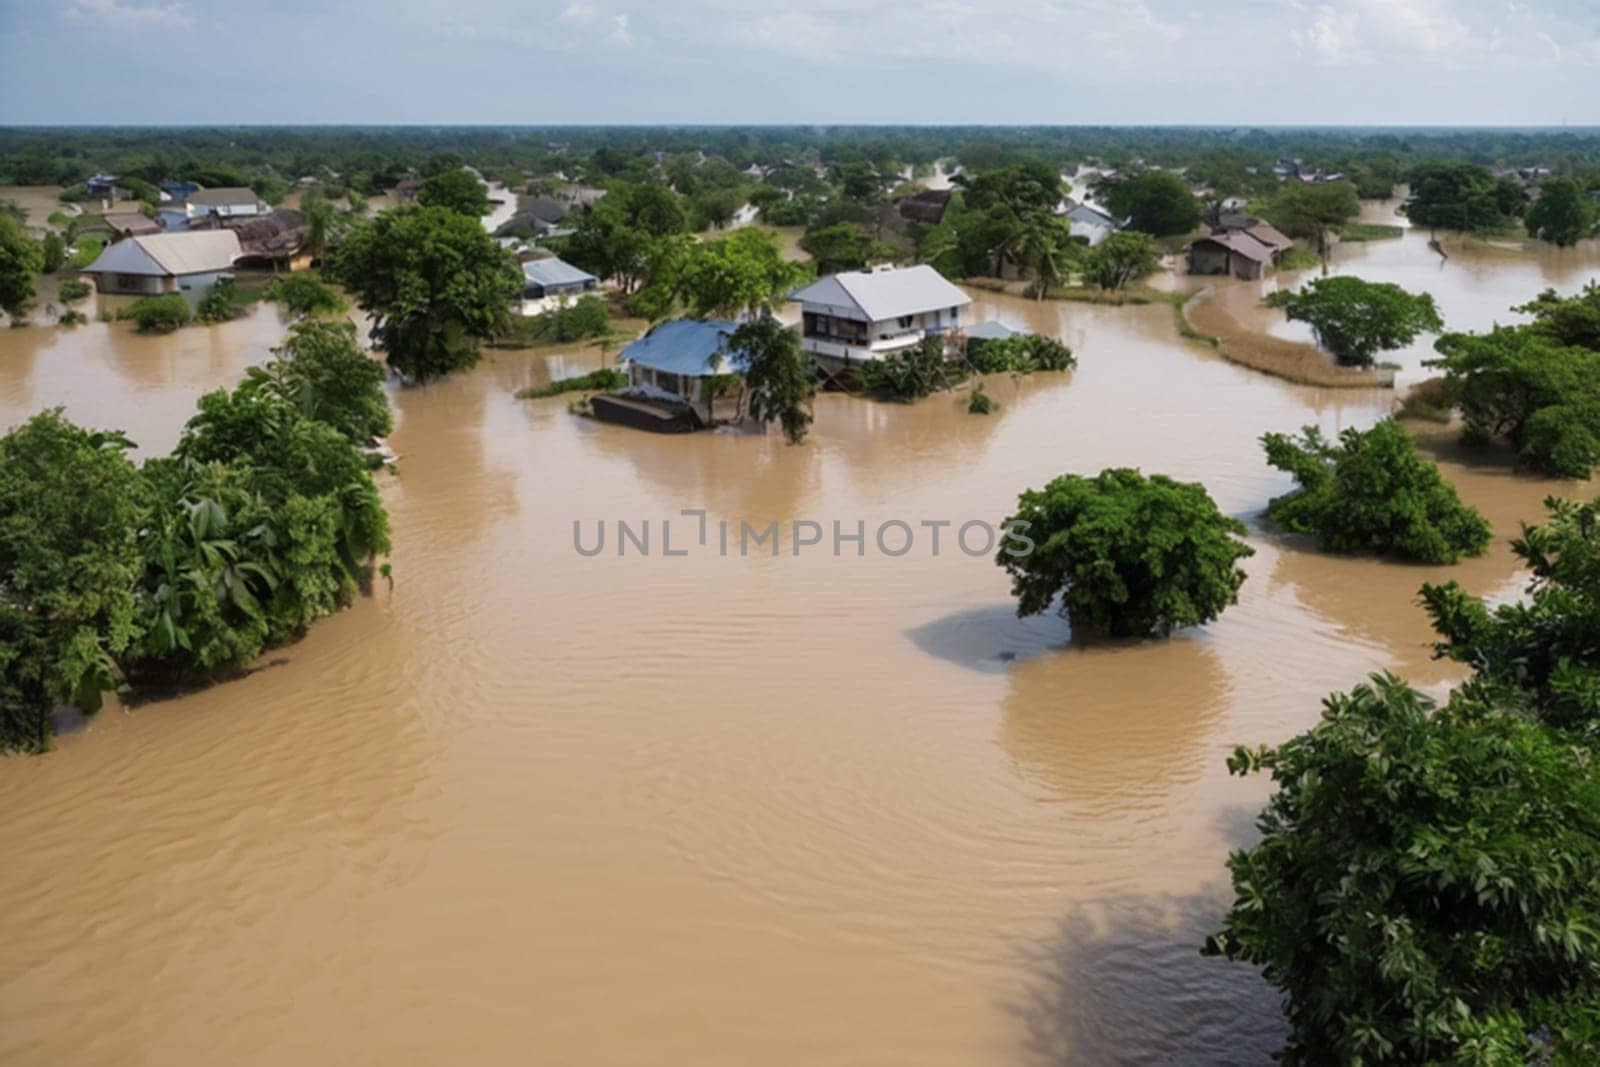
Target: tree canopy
<point>843,246</point>
<point>434,282</point>
<point>1453,195</point>
<point>743,273</point>
<point>21,258</point>
<point>1356,319</point>
<point>457,190</point>
<point>1371,492</point>
<point>1157,202</point>
<point>1129,556</point>
<point>777,375</point>
<point>1119,259</point>
<point>1313,211</point>
<point>1563,213</point>
<point>321,372</point>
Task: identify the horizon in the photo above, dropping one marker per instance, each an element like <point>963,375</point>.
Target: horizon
<point>1382,64</point>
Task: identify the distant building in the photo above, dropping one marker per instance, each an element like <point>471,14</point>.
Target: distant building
<point>101,184</point>
<point>178,191</point>
<point>226,203</point>
<point>543,278</point>
<point>1088,222</point>
<point>865,315</point>
<point>1243,253</point>
<point>405,191</point>
<point>928,205</point>
<point>188,263</point>
<point>131,224</point>
<point>673,375</point>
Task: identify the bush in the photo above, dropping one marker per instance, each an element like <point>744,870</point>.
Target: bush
<point>911,374</point>
<point>1129,556</point>
<point>220,303</point>
<point>304,293</point>
<point>72,289</point>
<point>606,378</point>
<point>55,253</point>
<point>1120,259</point>
<point>71,318</point>
<point>1019,354</point>
<point>1371,492</point>
<point>980,402</point>
<point>1429,400</point>
<point>157,314</point>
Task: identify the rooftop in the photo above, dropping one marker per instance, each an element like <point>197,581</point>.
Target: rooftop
<point>885,294</point>
<point>686,346</point>
<point>228,196</point>
<point>555,271</point>
<point>170,253</point>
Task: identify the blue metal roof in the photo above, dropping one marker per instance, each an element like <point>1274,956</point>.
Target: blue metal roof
<point>686,347</point>
<point>555,272</point>
<point>992,330</point>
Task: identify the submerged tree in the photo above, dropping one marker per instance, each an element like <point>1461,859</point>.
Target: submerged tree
<point>435,283</point>
<point>777,375</point>
<point>324,374</point>
<point>1313,211</point>
<point>1371,492</point>
<point>20,259</point>
<point>69,512</point>
<point>1129,556</point>
<point>1356,319</point>
<point>1564,213</point>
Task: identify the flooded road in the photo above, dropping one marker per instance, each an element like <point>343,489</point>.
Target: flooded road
<point>527,806</point>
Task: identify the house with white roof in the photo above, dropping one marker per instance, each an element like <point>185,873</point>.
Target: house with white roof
<point>859,315</point>
<point>188,263</point>
<point>228,203</point>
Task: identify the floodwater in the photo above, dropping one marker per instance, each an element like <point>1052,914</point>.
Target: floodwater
<point>528,806</point>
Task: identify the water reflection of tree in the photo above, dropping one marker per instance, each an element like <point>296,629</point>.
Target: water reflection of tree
<point>1123,981</point>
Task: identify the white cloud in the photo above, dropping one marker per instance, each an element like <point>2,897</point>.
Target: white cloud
<point>125,15</point>
<point>619,31</point>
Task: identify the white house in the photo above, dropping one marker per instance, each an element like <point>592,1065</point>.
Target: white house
<point>189,263</point>
<point>863,315</point>
<point>1087,221</point>
<point>229,203</point>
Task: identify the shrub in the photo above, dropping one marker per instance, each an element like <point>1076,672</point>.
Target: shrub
<point>1129,556</point>
<point>304,293</point>
<point>157,314</point>
<point>1120,259</point>
<point>220,303</point>
<point>1020,354</point>
<point>72,289</point>
<point>1371,492</point>
<point>908,375</point>
<point>70,317</point>
<point>980,402</point>
<point>605,378</point>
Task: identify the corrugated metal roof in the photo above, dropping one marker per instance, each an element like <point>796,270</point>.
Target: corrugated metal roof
<point>686,346</point>
<point>1241,242</point>
<point>993,330</point>
<point>231,195</point>
<point>885,294</point>
<point>554,271</point>
<point>170,253</point>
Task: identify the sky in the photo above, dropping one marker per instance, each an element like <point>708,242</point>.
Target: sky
<point>1069,62</point>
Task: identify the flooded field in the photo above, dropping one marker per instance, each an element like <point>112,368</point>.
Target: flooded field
<point>527,806</point>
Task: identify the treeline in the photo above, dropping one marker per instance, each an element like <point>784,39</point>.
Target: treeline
<point>184,568</point>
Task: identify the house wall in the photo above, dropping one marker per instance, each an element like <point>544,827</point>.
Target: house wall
<point>227,211</point>
<point>134,284</point>
<point>1209,259</point>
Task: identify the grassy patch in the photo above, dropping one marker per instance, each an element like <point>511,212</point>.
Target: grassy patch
<point>1298,258</point>
<point>1426,400</point>
<point>89,248</point>
<point>603,379</point>
<point>1369,231</point>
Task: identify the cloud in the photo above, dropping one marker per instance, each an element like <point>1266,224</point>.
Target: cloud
<point>619,31</point>
<point>129,15</point>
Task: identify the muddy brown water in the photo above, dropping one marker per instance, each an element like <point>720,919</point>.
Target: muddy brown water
<point>526,806</point>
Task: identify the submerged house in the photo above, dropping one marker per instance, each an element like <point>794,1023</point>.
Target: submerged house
<point>858,315</point>
<point>227,203</point>
<point>927,205</point>
<point>554,277</point>
<point>188,263</point>
<point>678,379</point>
<point>1235,252</point>
<point>131,224</point>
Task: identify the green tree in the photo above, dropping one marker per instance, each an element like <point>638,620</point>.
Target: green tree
<point>20,259</point>
<point>434,282</point>
<point>618,237</point>
<point>69,509</point>
<point>1371,492</point>
<point>304,293</point>
<point>1563,214</point>
<point>320,221</point>
<point>743,273</point>
<point>322,372</point>
<point>1129,556</point>
<point>1313,211</point>
<point>1539,655</point>
<point>53,253</point>
<point>1119,259</point>
<point>843,246</point>
<point>777,375</point>
<point>1157,202</point>
<point>456,190</point>
<point>1426,888</point>
<point>1452,195</point>
<point>1356,319</point>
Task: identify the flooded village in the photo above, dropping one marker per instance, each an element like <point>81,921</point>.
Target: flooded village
<point>511,800</point>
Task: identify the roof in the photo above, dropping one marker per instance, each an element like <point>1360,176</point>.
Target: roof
<point>1090,216</point>
<point>219,197</point>
<point>686,346</point>
<point>993,330</point>
<point>170,253</point>
<point>555,272</point>
<point>926,205</point>
<point>884,294</point>
<point>1240,242</point>
<point>543,208</point>
<point>1269,235</point>
<point>131,222</point>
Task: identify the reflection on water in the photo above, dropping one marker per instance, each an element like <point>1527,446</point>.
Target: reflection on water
<point>701,809</point>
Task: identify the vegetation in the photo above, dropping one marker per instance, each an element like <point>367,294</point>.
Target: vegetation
<point>221,302</point>
<point>1371,492</point>
<point>619,237</point>
<point>304,293</point>
<point>1312,212</point>
<point>1563,214</point>
<point>1157,202</point>
<point>1119,259</point>
<point>1427,885</point>
<point>1427,400</point>
<point>20,259</point>
<point>158,314</point>
<point>581,320</point>
<point>68,563</point>
<point>1019,354</point>
<point>843,246</point>
<point>54,252</point>
<point>1356,319</point>
<point>602,380</point>
<point>910,374</point>
<point>1370,231</point>
<point>1452,195</point>
<point>323,374</point>
<point>73,289</point>
<point>455,190</point>
<point>434,282</point>
<point>777,375</point>
<point>743,273</point>
<point>86,249</point>
<point>980,402</point>
<point>1128,556</point>
<point>1537,386</point>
